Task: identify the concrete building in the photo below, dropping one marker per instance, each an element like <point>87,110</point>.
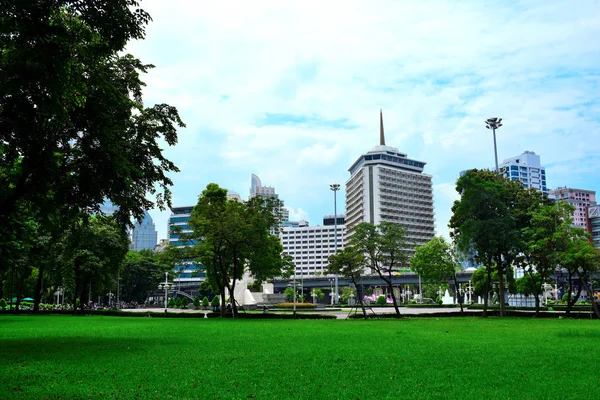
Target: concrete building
<point>268,192</point>
<point>386,185</point>
<point>311,246</point>
<point>144,235</point>
<point>593,223</point>
<point>580,199</point>
<point>526,168</point>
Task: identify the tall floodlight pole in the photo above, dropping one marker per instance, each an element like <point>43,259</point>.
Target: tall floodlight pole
<point>493,124</point>
<point>335,187</point>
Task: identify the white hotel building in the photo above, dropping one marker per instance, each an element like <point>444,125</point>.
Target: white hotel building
<point>311,246</point>
<point>526,168</point>
<point>386,185</point>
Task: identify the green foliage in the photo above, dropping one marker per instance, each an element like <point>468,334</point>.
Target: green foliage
<point>3,304</point>
<point>289,294</point>
<point>381,301</point>
<point>197,302</point>
<point>215,301</point>
<point>64,71</point>
<point>434,261</point>
<point>236,235</point>
<point>384,248</point>
<point>171,303</point>
<point>178,302</point>
<point>141,272</point>
<point>184,302</point>
<point>205,302</point>
<point>317,293</point>
<point>529,284</point>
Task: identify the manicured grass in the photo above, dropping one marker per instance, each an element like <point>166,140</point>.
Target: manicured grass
<point>118,357</point>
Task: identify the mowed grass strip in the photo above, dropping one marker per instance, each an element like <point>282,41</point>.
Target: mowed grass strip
<point>51,357</point>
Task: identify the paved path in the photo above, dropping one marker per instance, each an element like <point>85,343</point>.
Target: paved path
<point>339,313</point>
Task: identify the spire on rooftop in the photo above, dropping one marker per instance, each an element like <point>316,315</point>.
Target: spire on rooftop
<point>381,135</point>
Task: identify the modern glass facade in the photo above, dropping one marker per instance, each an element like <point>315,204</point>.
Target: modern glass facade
<point>144,235</point>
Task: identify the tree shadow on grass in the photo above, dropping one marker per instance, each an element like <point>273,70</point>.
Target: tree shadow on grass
<point>73,348</point>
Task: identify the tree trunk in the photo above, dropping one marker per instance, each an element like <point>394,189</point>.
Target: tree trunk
<point>571,302</point>
<point>39,284</point>
<point>501,286</point>
<point>458,296</point>
<point>360,299</point>
<point>593,300</point>
<point>487,291</point>
<point>537,305</point>
<point>570,290</point>
<point>388,281</point>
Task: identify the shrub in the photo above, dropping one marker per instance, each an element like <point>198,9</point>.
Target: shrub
<point>381,301</point>
<point>178,302</point>
<point>171,302</point>
<point>216,302</point>
<point>3,304</point>
<point>196,301</point>
<point>184,302</point>
<point>205,302</point>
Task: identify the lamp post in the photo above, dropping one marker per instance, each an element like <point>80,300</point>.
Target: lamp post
<point>493,124</point>
<point>335,187</point>
<point>167,286</point>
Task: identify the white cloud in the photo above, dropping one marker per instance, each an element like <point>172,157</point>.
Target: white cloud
<point>437,69</point>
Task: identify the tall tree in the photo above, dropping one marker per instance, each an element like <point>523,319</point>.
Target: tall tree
<point>581,259</point>
<point>385,249</point>
<point>234,236</point>
<point>545,244</point>
<point>349,262</point>
<point>484,220</point>
<point>73,126</point>
<point>434,262</point>
<point>91,253</point>
<point>141,272</point>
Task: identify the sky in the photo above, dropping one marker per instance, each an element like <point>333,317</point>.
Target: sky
<point>291,91</point>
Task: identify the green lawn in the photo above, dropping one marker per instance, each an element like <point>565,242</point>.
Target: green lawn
<point>115,357</point>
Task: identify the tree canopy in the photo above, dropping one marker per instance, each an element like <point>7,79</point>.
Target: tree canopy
<point>234,236</point>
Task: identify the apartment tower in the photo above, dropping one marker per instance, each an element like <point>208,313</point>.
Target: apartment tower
<point>386,185</point>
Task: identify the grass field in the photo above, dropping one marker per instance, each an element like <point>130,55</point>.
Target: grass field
<point>114,357</point>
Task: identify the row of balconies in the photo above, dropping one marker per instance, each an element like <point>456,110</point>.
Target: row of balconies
<point>404,205</point>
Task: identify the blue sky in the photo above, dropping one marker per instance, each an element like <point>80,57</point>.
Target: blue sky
<point>291,91</point>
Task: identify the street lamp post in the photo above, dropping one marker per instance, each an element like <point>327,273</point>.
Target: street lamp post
<point>493,124</point>
<point>167,286</point>
<point>335,187</point>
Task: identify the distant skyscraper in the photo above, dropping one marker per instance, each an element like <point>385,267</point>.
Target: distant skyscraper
<point>190,272</point>
<point>144,235</point>
<point>580,199</point>
<point>386,185</point>
<point>593,224</point>
<point>526,168</point>
<point>268,192</point>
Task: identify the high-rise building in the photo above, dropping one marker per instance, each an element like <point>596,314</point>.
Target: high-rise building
<point>593,224</point>
<point>386,185</point>
<point>526,168</point>
<point>268,192</point>
<point>311,246</point>
<point>188,272</point>
<point>144,235</point>
<point>580,199</point>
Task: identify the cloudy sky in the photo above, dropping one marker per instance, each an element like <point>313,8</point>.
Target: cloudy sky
<point>291,91</point>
